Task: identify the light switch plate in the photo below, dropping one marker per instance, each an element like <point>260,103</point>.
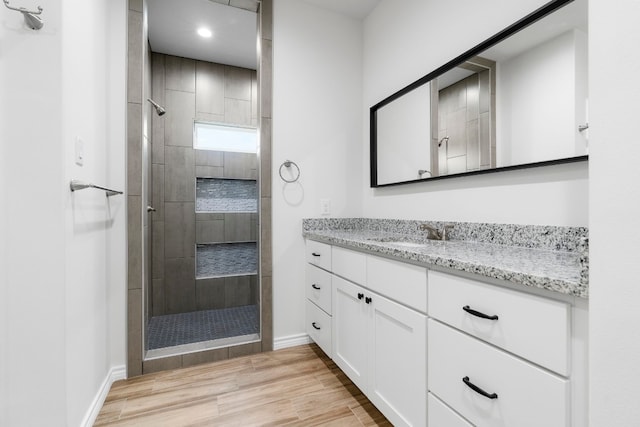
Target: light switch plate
<point>325,206</point>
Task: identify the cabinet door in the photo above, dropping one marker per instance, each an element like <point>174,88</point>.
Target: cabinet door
<point>397,361</point>
<point>350,330</point>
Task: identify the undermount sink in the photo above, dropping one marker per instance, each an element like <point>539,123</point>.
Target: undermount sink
<point>407,244</point>
<point>399,242</point>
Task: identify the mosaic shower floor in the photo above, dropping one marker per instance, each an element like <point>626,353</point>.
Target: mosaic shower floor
<point>186,328</point>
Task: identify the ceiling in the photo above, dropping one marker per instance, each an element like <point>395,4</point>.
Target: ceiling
<point>358,9</point>
<point>173,25</point>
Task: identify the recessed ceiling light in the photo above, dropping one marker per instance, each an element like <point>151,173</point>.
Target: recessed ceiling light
<point>204,32</point>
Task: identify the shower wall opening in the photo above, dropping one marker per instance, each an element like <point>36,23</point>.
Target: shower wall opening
<point>205,290</point>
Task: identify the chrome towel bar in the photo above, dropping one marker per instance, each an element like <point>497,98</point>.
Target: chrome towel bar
<point>79,185</point>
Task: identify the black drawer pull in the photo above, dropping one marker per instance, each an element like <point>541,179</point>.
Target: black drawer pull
<point>360,296</point>
<point>315,254</point>
<point>478,390</point>
<point>314,286</point>
<point>367,300</point>
<point>478,314</point>
<point>314,325</point>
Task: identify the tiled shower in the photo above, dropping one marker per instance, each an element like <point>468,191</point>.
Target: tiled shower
<point>204,230</point>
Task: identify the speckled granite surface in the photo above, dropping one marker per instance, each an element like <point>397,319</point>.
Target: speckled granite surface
<point>552,258</point>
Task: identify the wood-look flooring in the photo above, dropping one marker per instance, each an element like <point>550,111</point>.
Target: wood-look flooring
<point>298,386</point>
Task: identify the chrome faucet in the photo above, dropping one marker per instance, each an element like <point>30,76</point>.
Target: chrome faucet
<point>435,234</point>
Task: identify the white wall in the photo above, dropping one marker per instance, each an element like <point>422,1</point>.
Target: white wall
<point>514,197</point>
<point>33,235</point>
<point>317,124</point>
<point>614,66</point>
<point>57,341</point>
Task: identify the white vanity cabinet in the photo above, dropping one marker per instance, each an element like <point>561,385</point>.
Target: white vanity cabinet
<point>378,335</point>
<point>429,348</point>
<point>501,357</point>
<point>381,345</point>
<point>318,290</point>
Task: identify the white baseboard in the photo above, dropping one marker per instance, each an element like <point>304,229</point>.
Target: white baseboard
<point>291,341</point>
<point>115,373</point>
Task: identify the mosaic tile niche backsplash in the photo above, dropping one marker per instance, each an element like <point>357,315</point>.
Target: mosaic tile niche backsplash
<point>226,195</point>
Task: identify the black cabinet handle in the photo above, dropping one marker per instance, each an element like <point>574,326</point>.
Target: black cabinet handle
<point>367,300</point>
<point>314,286</point>
<point>478,314</point>
<point>315,254</point>
<point>314,325</point>
<point>478,390</point>
<point>360,296</point>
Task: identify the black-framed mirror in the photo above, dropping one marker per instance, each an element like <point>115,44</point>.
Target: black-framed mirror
<point>517,100</point>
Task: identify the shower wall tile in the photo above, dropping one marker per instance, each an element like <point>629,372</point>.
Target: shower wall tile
<point>157,192</point>
<point>210,293</point>
<point>134,149</point>
<point>265,158</point>
<point>134,242</point>
<point>158,296</point>
<point>237,227</point>
<point>179,230</point>
<point>244,349</point>
<point>158,95</point>
<point>473,145</point>
<point>254,98</point>
<point>135,5</point>
<point>209,216</point>
<point>209,172</point>
<point>180,74</point>
<point>210,231</point>
<point>237,83</point>
<point>473,94</point>
<point>266,20</point>
<point>209,158</point>
<point>178,122</point>
<point>255,227</point>
<point>180,285</point>
<point>161,364</point>
<point>255,289</point>
<point>237,291</point>
<point>158,80</point>
<point>134,336</point>
<point>208,356</point>
<point>265,79</point>
<point>157,241</point>
<point>212,118</point>
<point>209,88</point>
<point>179,175</point>
<point>266,291</point>
<point>485,140</point>
<point>237,112</point>
<point>134,57</point>
<point>266,253</point>
<point>239,165</point>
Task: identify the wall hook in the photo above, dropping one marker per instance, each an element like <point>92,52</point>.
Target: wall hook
<point>31,17</point>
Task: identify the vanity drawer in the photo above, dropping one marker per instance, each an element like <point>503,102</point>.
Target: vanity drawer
<point>319,254</point>
<point>405,283</point>
<point>349,264</point>
<point>526,395</point>
<point>441,415</point>
<point>536,328</point>
<point>318,285</point>
<point>319,327</point>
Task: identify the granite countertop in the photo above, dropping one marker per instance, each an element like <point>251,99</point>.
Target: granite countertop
<point>560,271</point>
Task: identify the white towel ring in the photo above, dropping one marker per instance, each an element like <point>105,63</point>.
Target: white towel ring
<point>287,164</point>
